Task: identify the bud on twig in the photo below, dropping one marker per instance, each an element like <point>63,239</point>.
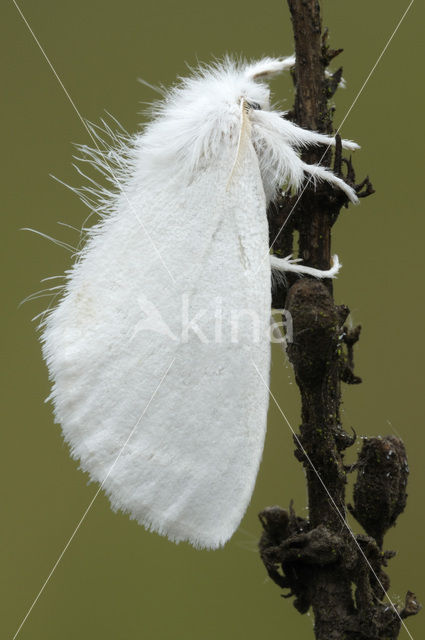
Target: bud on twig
<point>380,489</point>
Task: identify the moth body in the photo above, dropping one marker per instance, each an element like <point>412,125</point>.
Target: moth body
<point>160,404</point>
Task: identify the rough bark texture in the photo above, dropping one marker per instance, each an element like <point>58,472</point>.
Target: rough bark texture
<point>320,562</point>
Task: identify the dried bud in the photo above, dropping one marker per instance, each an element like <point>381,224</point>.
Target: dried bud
<point>380,489</point>
<point>275,522</point>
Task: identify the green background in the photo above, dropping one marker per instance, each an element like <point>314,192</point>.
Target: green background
<point>116,581</point>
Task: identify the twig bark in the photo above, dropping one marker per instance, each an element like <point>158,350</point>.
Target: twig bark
<point>319,560</point>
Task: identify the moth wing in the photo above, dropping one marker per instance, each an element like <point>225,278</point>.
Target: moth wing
<point>152,351</point>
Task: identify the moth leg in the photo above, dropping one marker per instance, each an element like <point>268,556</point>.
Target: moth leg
<point>304,137</point>
<point>321,173</point>
<point>290,169</point>
<point>296,135</point>
<point>289,265</point>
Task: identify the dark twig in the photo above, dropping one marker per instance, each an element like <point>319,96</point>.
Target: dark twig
<point>319,561</point>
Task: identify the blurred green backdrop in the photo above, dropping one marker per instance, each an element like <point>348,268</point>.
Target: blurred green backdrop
<point>117,582</point>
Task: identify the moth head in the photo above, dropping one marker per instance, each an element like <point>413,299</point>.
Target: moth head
<point>258,74</point>
<point>221,86</point>
<point>250,81</point>
<point>200,117</point>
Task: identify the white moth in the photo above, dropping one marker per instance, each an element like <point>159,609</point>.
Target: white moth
<point>169,415</point>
